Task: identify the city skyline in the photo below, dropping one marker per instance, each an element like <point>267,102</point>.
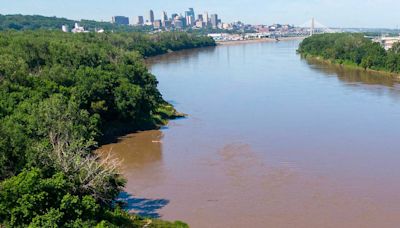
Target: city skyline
<point>187,20</point>
<point>339,13</point>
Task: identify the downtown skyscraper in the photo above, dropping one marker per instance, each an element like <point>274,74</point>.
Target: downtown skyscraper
<point>151,16</point>
<point>187,20</point>
<point>140,20</point>
<point>164,16</point>
<point>206,19</point>
<point>214,20</point>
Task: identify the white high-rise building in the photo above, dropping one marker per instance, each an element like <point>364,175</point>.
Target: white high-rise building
<point>189,21</point>
<point>205,18</point>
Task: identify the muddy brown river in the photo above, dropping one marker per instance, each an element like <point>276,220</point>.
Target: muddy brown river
<point>271,140</point>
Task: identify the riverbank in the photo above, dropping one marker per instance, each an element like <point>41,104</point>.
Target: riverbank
<point>100,81</point>
<point>352,50</point>
<point>235,42</point>
<point>114,130</point>
<point>350,66</point>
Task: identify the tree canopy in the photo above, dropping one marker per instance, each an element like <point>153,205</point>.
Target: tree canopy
<point>60,93</point>
<point>36,22</point>
<point>352,49</point>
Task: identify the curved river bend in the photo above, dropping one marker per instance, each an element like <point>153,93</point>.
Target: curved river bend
<point>271,141</point>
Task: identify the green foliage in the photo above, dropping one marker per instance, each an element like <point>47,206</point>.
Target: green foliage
<point>160,43</point>
<point>352,49</point>
<point>34,200</point>
<point>90,79</point>
<point>35,22</point>
<point>59,94</point>
<point>156,223</point>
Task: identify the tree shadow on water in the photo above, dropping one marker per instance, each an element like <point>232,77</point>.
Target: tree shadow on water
<point>141,206</point>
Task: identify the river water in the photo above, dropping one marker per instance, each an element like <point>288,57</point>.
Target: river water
<point>271,140</point>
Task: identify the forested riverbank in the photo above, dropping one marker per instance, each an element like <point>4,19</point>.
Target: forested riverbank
<point>35,22</point>
<point>352,50</point>
<point>60,94</point>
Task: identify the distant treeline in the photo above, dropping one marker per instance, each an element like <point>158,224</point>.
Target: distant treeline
<point>59,94</point>
<point>35,22</point>
<point>352,49</point>
<point>160,43</point>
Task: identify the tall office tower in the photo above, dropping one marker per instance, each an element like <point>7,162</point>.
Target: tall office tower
<point>120,20</point>
<point>140,20</point>
<point>205,18</point>
<point>151,16</point>
<point>189,21</point>
<point>200,17</point>
<point>191,10</point>
<point>167,24</point>
<point>173,16</point>
<point>180,22</point>
<point>187,13</point>
<point>164,16</point>
<point>214,20</point>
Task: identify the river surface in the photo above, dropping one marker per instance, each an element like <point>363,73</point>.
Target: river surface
<point>271,140</point>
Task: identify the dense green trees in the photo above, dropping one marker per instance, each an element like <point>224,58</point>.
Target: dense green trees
<point>34,22</point>
<point>160,43</point>
<point>59,95</point>
<point>34,199</point>
<point>352,49</point>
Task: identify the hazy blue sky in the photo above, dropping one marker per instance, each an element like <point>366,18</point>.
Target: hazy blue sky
<point>342,13</point>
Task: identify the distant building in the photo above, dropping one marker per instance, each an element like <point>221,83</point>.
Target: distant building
<point>167,24</point>
<point>200,24</point>
<point>151,16</point>
<point>140,20</point>
<point>120,20</point>
<point>189,20</point>
<point>164,16</point>
<point>173,16</point>
<point>200,17</point>
<point>179,22</point>
<point>214,20</point>
<point>205,18</point>
<point>387,42</point>
<point>157,24</point>
<point>65,28</point>
<point>191,11</point>
<point>226,26</point>
<point>78,29</point>
<point>216,36</point>
<point>187,14</point>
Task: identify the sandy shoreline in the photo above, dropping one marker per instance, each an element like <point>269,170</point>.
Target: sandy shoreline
<point>257,40</point>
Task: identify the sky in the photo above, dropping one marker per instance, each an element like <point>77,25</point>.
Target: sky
<point>331,13</point>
